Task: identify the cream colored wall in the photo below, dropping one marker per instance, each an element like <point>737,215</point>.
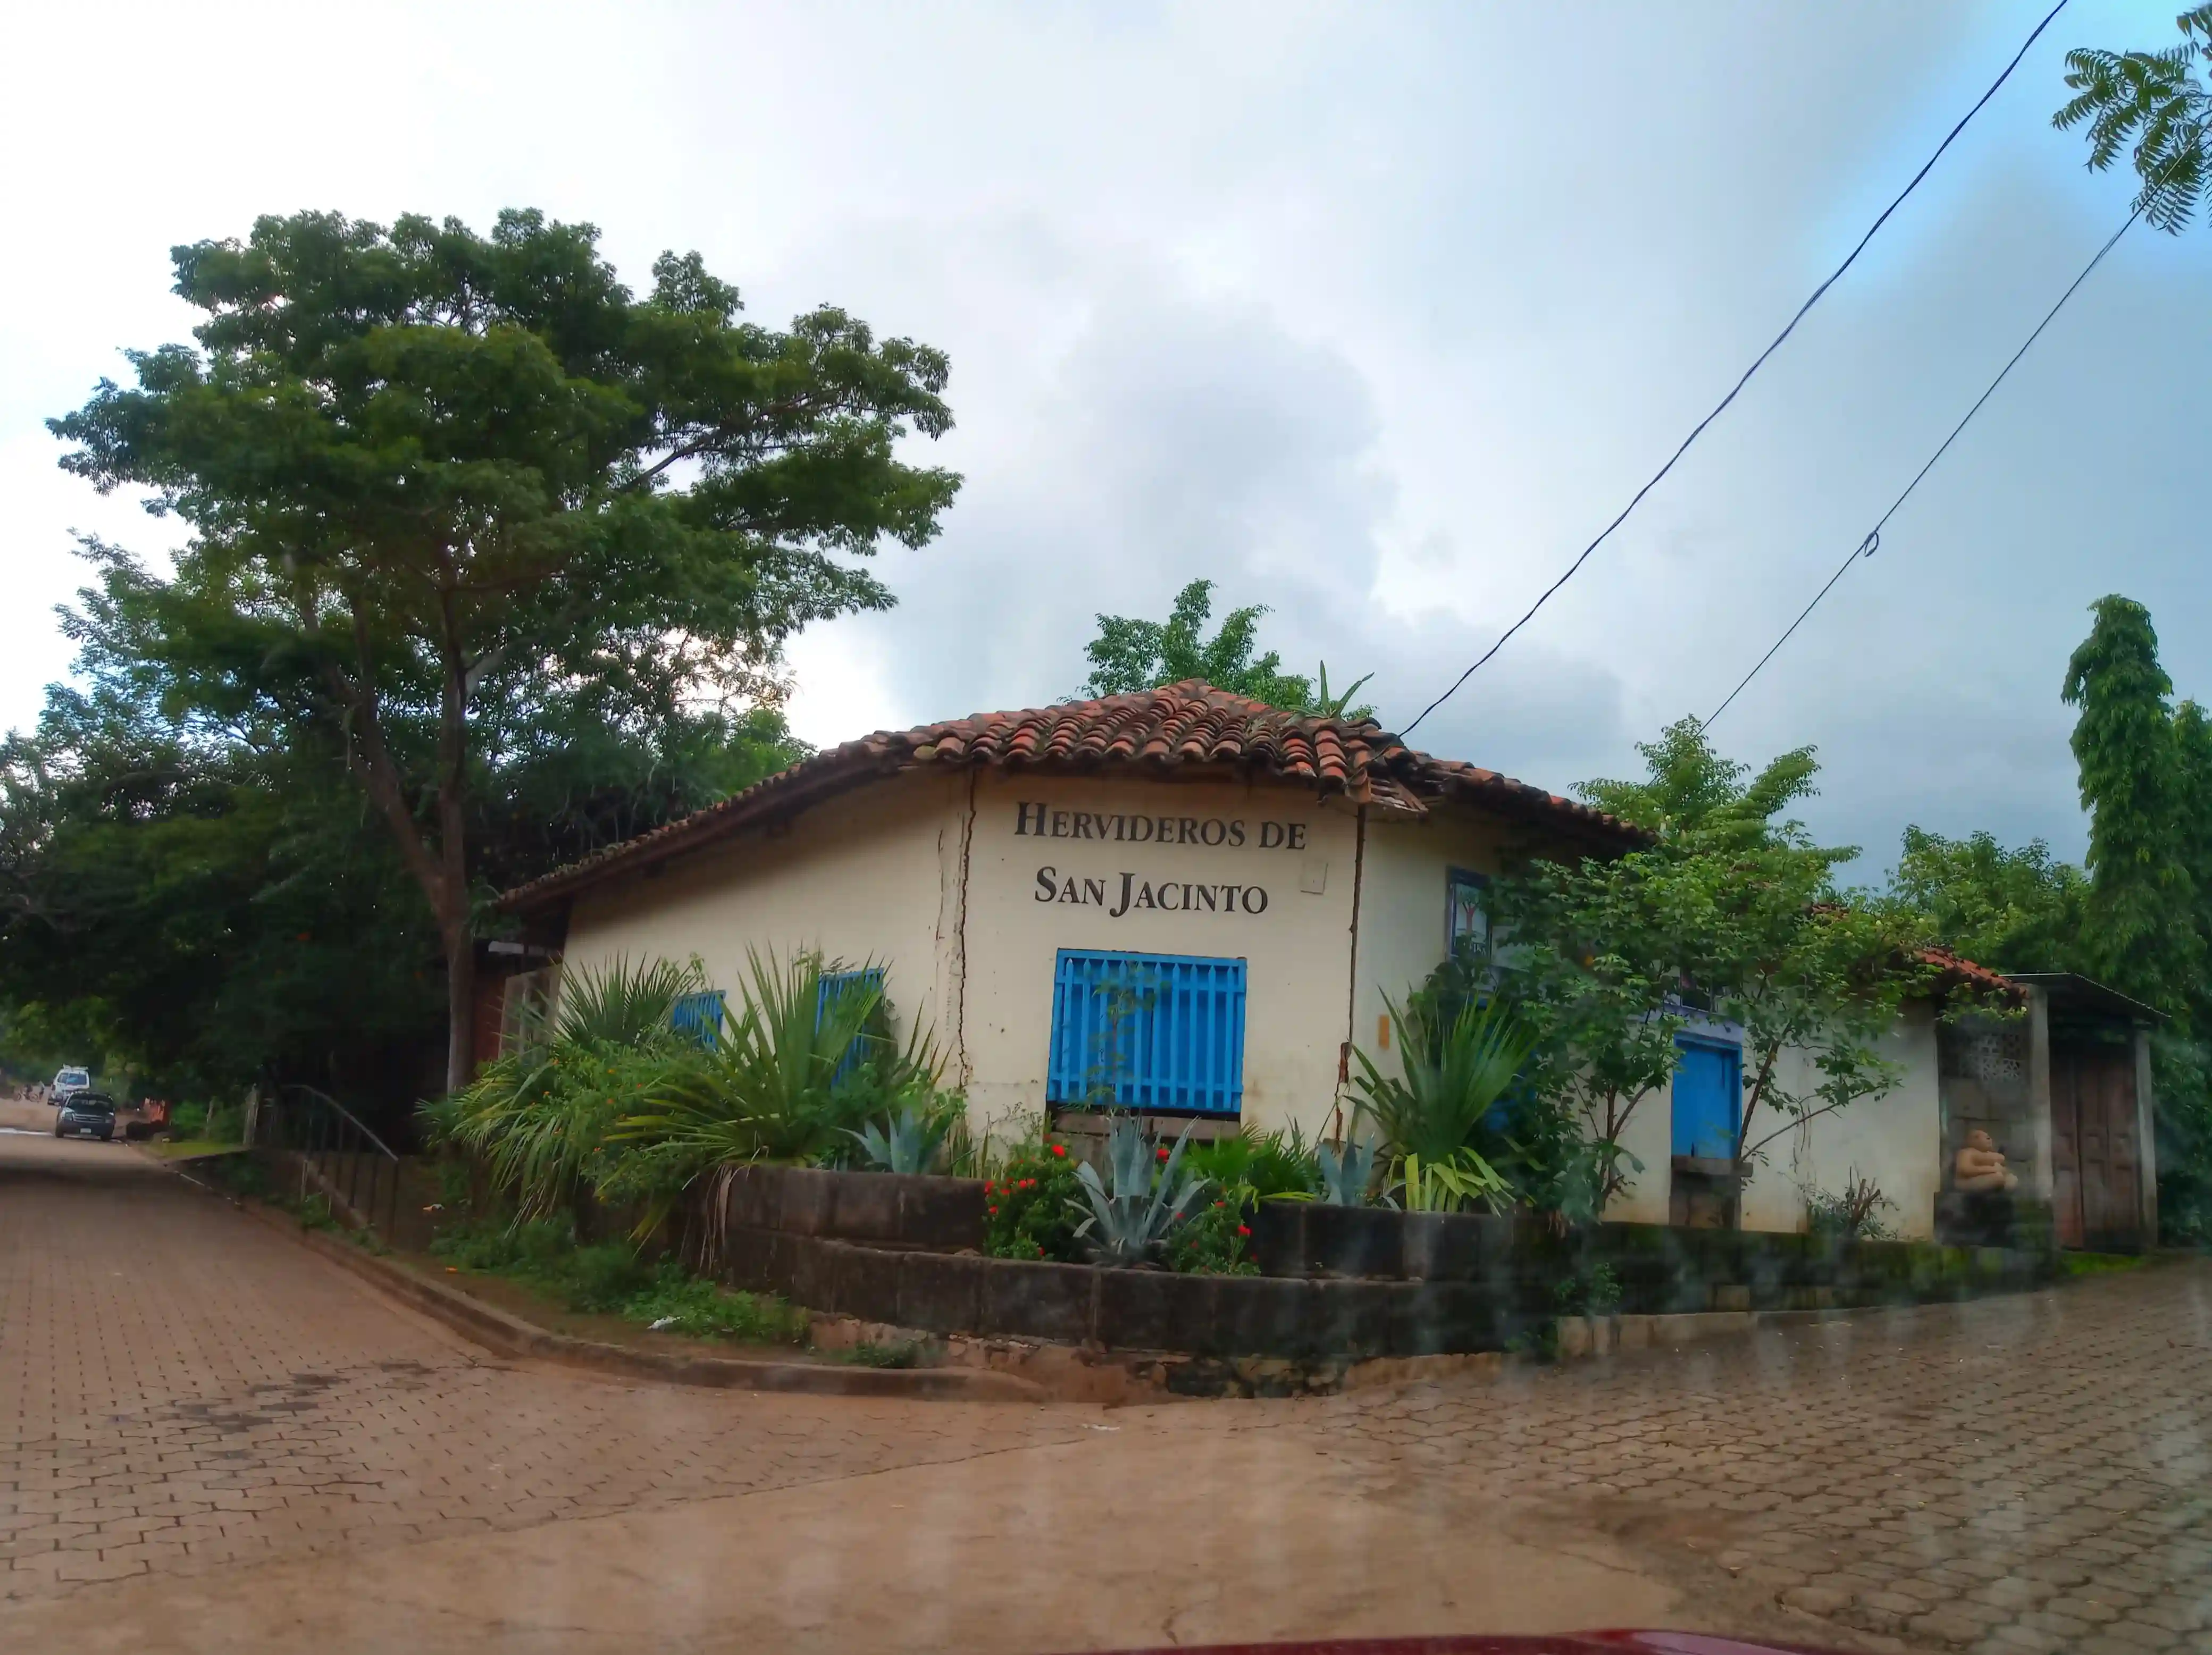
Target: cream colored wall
<point>1896,1140</point>
<point>1649,1137</point>
<point>1297,976</point>
<point>1402,913</point>
<point>869,875</point>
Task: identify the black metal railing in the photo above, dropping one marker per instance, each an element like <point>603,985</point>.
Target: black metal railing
<point>343,1154</point>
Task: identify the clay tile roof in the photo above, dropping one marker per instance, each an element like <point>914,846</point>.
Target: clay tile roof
<point>1955,970</point>
<point>1190,724</point>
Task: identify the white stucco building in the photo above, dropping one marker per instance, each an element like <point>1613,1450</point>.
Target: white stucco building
<point>1183,899</point>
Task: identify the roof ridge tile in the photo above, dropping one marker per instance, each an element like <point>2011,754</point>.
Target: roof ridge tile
<point>1190,722</point>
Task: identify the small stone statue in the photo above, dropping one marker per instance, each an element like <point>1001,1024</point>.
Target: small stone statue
<point>1980,1168</point>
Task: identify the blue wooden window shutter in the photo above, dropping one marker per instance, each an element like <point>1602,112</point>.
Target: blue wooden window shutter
<point>699,1016</point>
<point>833,983</point>
<point>1147,1031</point>
<point>1708,1098</point>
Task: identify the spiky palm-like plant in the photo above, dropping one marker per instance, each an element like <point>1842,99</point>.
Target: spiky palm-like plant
<point>1450,1077</point>
<point>537,1117</point>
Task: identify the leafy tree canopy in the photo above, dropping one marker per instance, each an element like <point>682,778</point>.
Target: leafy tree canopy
<point>212,909</point>
<point>2011,910</point>
<point>1130,655</point>
<point>2144,931</point>
<point>441,484</point>
<point>1735,914</point>
<point>2154,106</point>
<point>1688,789</point>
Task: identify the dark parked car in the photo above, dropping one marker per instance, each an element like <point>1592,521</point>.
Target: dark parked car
<point>87,1115</point>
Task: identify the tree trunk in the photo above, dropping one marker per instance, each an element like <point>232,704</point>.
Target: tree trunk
<point>460,1006</point>
<point>453,855</point>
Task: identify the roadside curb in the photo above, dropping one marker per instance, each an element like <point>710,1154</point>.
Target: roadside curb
<point>507,1335</point>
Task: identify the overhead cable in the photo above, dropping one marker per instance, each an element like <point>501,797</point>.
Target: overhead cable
<point>1867,546</point>
<point>1721,406</point>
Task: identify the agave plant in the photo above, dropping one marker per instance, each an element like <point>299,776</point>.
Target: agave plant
<point>907,1143</point>
<point>1150,1195</point>
<point>1346,1171</point>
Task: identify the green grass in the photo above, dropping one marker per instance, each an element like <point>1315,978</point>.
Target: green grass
<point>607,1278</point>
<point>907,1354</point>
<point>2098,1263</point>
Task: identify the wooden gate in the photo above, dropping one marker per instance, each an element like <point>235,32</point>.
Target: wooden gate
<point>2095,1155</point>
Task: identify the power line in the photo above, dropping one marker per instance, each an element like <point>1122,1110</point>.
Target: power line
<point>1867,546</point>
<point>1722,406</point>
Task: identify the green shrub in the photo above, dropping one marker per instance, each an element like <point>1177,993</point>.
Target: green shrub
<point>608,1278</point>
<point>907,1354</point>
<point>1453,1074</point>
<point>605,1277</point>
<point>1267,1163</point>
<point>1215,1240</point>
<point>536,1119</point>
<point>526,1248</point>
<point>677,1303</point>
<point>770,1086</point>
<point>1595,1292</point>
<point>1034,1205</point>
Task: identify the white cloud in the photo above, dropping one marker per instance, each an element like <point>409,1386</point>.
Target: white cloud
<point>1373,315</point>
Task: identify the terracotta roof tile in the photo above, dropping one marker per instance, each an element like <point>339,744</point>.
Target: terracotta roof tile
<point>1956,968</point>
<point>1151,731</point>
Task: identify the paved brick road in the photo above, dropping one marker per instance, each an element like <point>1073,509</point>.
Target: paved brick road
<point>180,1391</point>
<point>2025,1474</point>
<point>180,1388</point>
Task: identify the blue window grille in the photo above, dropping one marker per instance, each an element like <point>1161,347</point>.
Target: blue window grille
<point>1147,1031</point>
<point>834,985</point>
<point>1708,1096</point>
<point>699,1016</point>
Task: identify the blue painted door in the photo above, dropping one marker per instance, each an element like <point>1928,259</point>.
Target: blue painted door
<point>1708,1093</point>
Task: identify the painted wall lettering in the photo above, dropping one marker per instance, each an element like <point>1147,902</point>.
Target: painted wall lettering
<point>1044,822</point>
<point>1128,891</point>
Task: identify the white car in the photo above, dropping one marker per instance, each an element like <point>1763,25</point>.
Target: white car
<point>69,1081</point>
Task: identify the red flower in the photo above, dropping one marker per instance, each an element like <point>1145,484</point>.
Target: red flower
<point>994,1212</point>
<point>1243,1229</point>
<point>1163,1152</point>
<point>1059,1148</point>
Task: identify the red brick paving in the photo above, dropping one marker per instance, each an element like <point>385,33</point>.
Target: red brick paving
<point>180,1389</point>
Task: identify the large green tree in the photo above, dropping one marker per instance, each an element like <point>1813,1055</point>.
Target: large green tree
<point>2010,910</point>
<point>187,896</point>
<point>2143,927</point>
<point>203,914</point>
<point>1130,654</point>
<point>1733,912</point>
<point>433,477</point>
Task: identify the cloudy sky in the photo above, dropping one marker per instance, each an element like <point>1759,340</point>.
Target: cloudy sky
<point>1373,314</point>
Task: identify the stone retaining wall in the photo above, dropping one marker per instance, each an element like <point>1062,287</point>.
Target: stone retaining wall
<point>1338,1283</point>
